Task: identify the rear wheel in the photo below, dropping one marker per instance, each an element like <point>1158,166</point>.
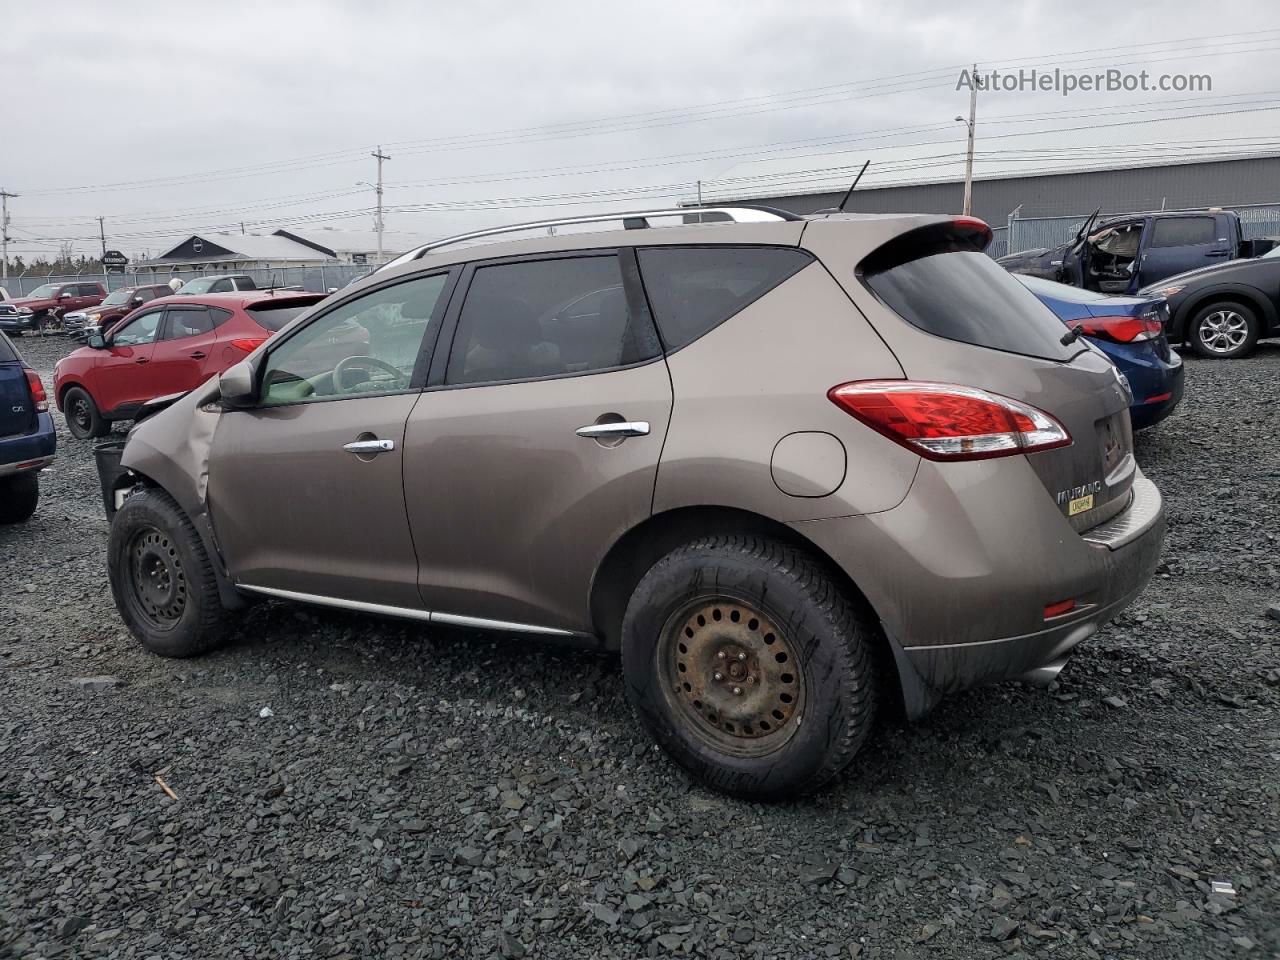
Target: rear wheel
<point>749,666</point>
<point>18,497</point>
<point>1223,331</point>
<point>162,579</point>
<point>83,417</point>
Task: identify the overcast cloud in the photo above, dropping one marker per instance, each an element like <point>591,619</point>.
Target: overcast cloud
<point>109,94</point>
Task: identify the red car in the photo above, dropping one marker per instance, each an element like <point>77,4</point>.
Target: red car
<point>169,346</point>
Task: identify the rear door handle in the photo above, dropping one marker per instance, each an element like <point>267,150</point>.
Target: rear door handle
<point>141,360</point>
<point>369,446</point>
<point>198,355</point>
<point>627,428</point>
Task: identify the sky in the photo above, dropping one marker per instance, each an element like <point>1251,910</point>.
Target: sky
<point>265,114</point>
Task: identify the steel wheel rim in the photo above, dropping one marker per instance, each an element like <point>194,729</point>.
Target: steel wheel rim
<point>80,414</point>
<point>157,583</point>
<point>733,674</point>
<point>1223,331</point>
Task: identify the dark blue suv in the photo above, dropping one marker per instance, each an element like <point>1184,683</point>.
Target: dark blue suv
<point>1131,332</point>
<point>27,440</point>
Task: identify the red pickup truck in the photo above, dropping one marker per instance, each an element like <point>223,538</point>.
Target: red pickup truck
<point>45,305</point>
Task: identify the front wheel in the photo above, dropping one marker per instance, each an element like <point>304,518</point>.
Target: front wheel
<point>162,579</point>
<point>18,497</point>
<point>750,666</point>
<point>84,420</point>
<point>1223,331</point>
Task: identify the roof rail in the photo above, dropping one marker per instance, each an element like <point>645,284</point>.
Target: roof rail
<point>631,220</point>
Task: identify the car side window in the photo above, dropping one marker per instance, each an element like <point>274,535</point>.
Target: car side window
<point>1183,232</point>
<point>222,286</point>
<point>365,346</point>
<point>138,331</point>
<point>695,289</point>
<point>91,290</point>
<point>1119,240</point>
<point>541,318</point>
<point>187,323</point>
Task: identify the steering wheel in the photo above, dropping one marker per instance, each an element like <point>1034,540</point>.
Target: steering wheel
<point>367,363</point>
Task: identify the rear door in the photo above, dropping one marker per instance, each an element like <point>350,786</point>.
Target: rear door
<point>17,412</point>
<point>1178,244</point>
<point>306,489</point>
<point>186,348</point>
<point>121,380</point>
<point>537,443</point>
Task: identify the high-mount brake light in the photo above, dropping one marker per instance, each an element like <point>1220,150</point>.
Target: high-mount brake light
<point>1119,329</point>
<point>947,421</point>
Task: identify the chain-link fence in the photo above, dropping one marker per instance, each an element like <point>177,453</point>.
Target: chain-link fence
<point>318,279</point>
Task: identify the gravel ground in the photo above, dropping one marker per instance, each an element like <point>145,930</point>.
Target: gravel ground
<point>344,786</point>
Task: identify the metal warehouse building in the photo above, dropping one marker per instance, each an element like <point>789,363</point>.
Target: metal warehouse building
<point>1216,183</point>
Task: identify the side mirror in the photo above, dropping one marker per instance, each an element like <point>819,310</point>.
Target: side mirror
<point>96,340</point>
<point>138,301</point>
<point>64,295</point>
<point>236,385</point>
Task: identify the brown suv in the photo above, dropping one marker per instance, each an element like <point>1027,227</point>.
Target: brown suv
<point>789,467</point>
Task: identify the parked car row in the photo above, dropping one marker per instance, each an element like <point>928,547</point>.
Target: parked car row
<point>1223,291</point>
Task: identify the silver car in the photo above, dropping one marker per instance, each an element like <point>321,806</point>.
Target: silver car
<point>791,468</point>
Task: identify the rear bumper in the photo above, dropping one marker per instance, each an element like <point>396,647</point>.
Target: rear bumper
<point>961,573</point>
<point>1149,378</point>
<point>31,451</point>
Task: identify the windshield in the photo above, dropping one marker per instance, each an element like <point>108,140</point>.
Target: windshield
<point>201,285</point>
<point>118,297</point>
<point>44,291</point>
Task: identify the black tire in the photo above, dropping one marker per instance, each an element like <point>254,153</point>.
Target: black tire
<point>1223,330</point>
<point>162,579</point>
<point>83,418</point>
<point>18,497</point>
<point>766,605</point>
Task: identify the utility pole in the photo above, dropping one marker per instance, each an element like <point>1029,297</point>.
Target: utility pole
<point>5,196</point>
<point>973,122</point>
<point>379,156</point>
<point>102,234</point>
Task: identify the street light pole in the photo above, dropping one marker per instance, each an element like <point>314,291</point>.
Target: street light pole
<point>972,123</point>
<point>379,156</point>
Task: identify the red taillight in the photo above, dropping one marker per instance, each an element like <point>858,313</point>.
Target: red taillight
<point>248,344</point>
<point>38,395</point>
<point>1119,329</point>
<point>945,421</point>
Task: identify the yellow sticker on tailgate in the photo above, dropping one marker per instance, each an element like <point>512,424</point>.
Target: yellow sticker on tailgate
<point>1080,505</point>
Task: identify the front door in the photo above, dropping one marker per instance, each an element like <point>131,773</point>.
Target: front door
<point>537,444</point>
<point>122,380</point>
<point>305,488</point>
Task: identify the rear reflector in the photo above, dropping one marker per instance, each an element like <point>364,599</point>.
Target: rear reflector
<point>945,421</point>
<point>248,344</point>
<point>38,396</point>
<point>1058,609</point>
<point>1120,329</point>
<point>1158,398</point>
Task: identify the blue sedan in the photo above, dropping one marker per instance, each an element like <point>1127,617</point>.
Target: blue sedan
<point>1131,332</point>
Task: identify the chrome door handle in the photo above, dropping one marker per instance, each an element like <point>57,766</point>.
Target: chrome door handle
<point>628,428</point>
<point>369,446</point>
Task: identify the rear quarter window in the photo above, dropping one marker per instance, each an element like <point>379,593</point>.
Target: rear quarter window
<point>692,290</point>
<point>8,353</point>
<point>938,281</point>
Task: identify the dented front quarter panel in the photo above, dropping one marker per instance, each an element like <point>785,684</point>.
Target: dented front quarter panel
<point>171,449</point>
